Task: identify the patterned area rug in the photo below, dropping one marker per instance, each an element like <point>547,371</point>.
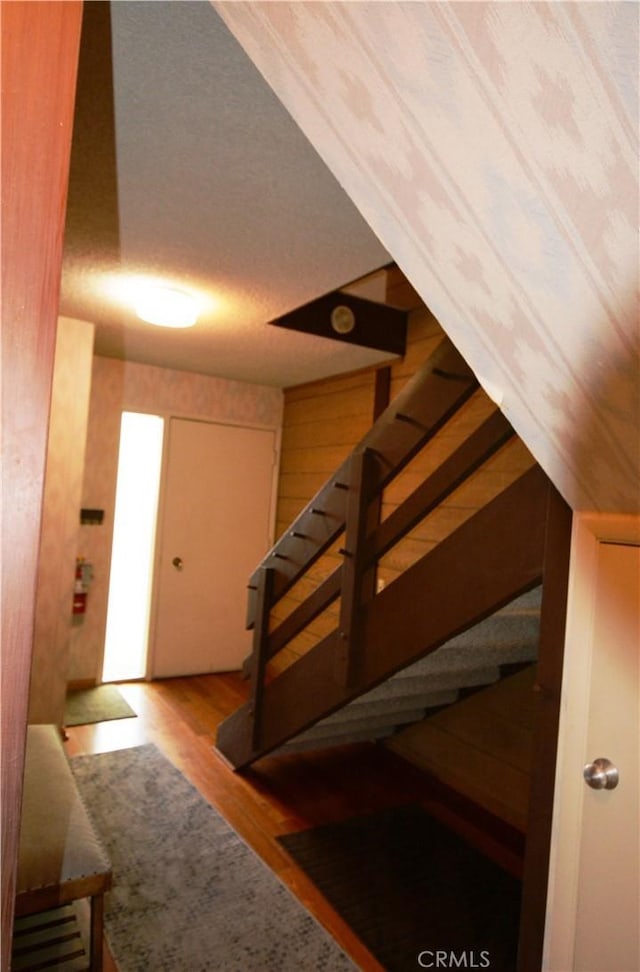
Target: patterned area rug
<point>189,895</point>
<point>99,704</point>
<point>409,887</point>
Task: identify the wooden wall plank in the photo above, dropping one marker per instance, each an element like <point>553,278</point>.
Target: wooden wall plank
<point>482,747</point>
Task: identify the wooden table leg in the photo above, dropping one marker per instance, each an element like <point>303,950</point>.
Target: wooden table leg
<point>97,928</point>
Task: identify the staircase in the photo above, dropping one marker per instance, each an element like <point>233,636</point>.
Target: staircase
<point>475,659</point>
<point>445,625</point>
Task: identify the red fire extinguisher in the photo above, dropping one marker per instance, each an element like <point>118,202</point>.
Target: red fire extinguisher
<point>81,586</point>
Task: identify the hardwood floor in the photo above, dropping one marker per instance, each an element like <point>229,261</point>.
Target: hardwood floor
<point>287,793</point>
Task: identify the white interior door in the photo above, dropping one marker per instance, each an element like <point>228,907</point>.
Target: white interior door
<point>593,909</point>
<point>214,528</point>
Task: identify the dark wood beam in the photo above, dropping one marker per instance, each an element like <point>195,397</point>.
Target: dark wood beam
<point>358,321</point>
<point>382,391</point>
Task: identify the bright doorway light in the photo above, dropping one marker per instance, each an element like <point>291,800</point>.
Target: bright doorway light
<point>130,580</point>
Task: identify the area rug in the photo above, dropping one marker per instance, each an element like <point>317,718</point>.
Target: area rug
<point>410,888</point>
<point>188,894</point>
<point>99,704</point>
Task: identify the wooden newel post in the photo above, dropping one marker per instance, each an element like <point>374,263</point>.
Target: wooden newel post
<point>260,653</point>
<point>357,573</point>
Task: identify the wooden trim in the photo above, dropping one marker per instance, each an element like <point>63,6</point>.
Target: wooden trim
<point>547,714</point>
<point>81,684</point>
<point>40,44</point>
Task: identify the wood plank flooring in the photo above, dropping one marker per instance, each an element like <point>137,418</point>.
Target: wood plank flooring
<point>283,794</point>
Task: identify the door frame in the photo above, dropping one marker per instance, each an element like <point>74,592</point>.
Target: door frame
<point>590,530</point>
<point>179,416</point>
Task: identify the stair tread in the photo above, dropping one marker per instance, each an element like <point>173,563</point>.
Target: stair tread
<point>371,723</point>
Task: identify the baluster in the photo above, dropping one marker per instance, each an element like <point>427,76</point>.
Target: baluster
<point>355,568</point>
<point>260,652</point>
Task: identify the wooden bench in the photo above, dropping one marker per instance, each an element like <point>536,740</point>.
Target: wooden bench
<point>60,858</point>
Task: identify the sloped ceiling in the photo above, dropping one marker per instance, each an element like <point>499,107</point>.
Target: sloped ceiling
<point>492,147</point>
<point>186,168</point>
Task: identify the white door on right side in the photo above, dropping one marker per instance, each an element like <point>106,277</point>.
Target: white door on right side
<point>608,912</point>
<point>593,911</point>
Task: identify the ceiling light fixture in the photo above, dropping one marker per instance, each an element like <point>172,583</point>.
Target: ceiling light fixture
<point>166,306</point>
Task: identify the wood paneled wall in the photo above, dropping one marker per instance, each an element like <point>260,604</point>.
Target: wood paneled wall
<point>322,423</point>
<point>481,747</point>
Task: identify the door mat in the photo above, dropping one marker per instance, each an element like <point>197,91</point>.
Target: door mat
<point>407,885</point>
<point>99,704</point>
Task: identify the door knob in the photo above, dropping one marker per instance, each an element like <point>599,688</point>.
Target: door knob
<point>601,774</point>
<point>177,563</point>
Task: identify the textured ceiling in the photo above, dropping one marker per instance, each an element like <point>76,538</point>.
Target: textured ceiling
<point>186,167</point>
<point>493,147</point>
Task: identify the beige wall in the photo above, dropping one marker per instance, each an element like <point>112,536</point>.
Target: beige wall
<point>120,386</point>
<point>60,519</point>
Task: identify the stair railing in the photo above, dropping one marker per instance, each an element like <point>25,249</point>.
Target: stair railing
<point>361,651</point>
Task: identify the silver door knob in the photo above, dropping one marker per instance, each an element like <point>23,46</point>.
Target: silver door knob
<point>601,774</point>
<point>177,563</point>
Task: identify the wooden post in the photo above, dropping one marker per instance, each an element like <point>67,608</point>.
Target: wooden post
<point>260,650</point>
<point>355,569</point>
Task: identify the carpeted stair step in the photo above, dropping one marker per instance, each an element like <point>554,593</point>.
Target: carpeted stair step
<point>301,744</point>
<point>389,706</point>
<point>470,660</point>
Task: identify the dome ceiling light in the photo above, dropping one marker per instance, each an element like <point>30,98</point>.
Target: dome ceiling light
<point>166,306</point>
